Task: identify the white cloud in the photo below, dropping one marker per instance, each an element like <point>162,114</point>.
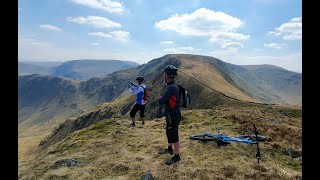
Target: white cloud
<point>100,34</point>
<point>50,27</point>
<point>187,49</point>
<point>272,33</point>
<point>94,44</point>
<point>224,53</point>
<point>96,21</point>
<point>105,5</point>
<point>78,20</point>
<point>291,30</point>
<point>170,50</point>
<point>122,36</point>
<point>166,42</point>
<point>296,19</point>
<point>293,36</point>
<point>232,45</point>
<point>229,36</point>
<point>32,42</point>
<point>202,22</point>
<point>205,22</point>
<point>274,45</point>
<point>227,39</point>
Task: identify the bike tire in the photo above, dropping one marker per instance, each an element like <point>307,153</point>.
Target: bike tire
<point>253,137</point>
<point>202,137</point>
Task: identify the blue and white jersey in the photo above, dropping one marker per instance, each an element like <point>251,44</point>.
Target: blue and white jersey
<point>139,91</point>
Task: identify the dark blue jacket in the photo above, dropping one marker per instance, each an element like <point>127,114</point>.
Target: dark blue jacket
<point>171,99</point>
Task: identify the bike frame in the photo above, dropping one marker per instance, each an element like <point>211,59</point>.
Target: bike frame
<point>234,139</point>
<point>221,139</point>
<point>230,139</point>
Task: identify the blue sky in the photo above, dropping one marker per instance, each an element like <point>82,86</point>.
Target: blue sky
<point>239,32</point>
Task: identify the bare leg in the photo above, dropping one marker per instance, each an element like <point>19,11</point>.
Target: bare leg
<point>176,147</point>
<point>176,156</point>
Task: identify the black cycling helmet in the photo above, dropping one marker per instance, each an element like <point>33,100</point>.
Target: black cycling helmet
<point>171,70</point>
<point>140,78</point>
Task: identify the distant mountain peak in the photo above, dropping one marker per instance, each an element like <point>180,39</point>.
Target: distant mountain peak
<point>263,66</point>
<point>75,69</point>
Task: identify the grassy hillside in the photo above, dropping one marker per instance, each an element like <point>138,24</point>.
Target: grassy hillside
<point>209,71</point>
<point>268,83</point>
<point>42,98</point>
<point>109,150</point>
<point>254,83</point>
<point>43,103</point>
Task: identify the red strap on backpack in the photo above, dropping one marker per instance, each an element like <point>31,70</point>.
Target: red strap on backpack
<point>172,101</point>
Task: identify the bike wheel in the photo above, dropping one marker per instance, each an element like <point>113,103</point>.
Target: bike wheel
<point>253,137</point>
<point>203,137</point>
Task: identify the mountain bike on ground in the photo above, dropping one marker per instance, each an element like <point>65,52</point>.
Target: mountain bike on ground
<point>221,139</point>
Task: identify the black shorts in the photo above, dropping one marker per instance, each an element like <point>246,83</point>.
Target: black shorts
<point>136,108</point>
<point>172,128</point>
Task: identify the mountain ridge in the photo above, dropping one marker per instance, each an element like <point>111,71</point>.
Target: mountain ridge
<point>75,69</point>
<point>109,95</point>
<point>207,96</point>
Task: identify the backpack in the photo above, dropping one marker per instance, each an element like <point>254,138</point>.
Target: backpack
<point>145,93</point>
<point>184,96</point>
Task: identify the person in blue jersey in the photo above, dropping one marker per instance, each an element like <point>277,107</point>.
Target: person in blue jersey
<point>171,102</point>
<point>140,103</point>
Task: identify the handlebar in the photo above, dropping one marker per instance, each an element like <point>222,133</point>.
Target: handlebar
<point>255,131</point>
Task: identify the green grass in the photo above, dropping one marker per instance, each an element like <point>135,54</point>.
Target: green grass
<point>110,150</point>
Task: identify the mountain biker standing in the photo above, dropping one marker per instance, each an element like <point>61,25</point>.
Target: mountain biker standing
<point>171,101</point>
<point>140,103</point>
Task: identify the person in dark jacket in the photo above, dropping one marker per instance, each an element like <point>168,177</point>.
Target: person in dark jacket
<point>170,100</point>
